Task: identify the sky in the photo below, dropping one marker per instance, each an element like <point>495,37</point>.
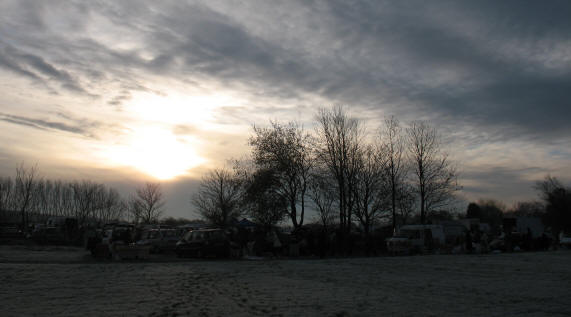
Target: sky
<point>123,92</point>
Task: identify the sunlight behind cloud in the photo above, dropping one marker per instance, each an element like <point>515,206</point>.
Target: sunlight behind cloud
<point>177,108</point>
<point>156,152</point>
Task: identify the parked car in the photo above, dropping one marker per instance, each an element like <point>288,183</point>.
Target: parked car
<point>159,240</point>
<point>205,242</point>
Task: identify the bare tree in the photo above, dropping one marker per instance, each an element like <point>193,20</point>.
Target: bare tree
<point>62,199</point>
<point>149,202</point>
<point>85,200</point>
<point>6,191</point>
<point>39,204</point>
<point>323,196</point>
<point>286,150</point>
<point>34,197</point>
<point>406,202</point>
<point>340,138</point>
<point>134,210</point>
<point>392,142</point>
<point>370,190</point>
<point>218,197</point>
<point>26,179</point>
<point>547,187</point>
<point>6,195</point>
<point>111,206</point>
<point>435,177</point>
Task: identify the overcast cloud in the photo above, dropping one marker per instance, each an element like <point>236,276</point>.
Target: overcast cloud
<point>494,76</point>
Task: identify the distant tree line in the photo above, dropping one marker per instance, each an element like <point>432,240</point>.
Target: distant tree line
<point>349,175</point>
<point>29,194</point>
<point>554,208</point>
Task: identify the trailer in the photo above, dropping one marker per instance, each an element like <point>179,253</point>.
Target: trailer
<point>416,239</point>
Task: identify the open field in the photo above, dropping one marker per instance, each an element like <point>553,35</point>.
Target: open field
<point>66,282</point>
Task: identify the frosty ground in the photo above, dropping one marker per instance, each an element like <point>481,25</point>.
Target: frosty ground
<point>66,282</point>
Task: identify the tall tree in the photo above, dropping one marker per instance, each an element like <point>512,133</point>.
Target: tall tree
<point>369,190</point>
<point>6,192</point>
<point>322,193</point>
<point>6,195</point>
<point>392,141</point>
<point>557,200</point>
<point>218,197</point>
<point>148,202</point>
<point>111,206</point>
<point>406,202</point>
<point>85,194</point>
<point>285,150</point>
<point>262,199</point>
<point>340,137</point>
<point>26,180</point>
<point>436,177</point>
<point>134,209</point>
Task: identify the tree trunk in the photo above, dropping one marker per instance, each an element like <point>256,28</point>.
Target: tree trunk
<point>393,200</point>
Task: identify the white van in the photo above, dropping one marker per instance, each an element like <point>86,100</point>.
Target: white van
<point>416,239</point>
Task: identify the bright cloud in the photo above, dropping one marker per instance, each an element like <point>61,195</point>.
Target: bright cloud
<point>166,90</point>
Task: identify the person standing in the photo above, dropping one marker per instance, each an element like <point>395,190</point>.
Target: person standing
<point>469,246</point>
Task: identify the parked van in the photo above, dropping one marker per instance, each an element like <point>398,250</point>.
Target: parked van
<point>416,239</point>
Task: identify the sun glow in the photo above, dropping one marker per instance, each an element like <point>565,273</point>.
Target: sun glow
<point>157,152</point>
<point>162,131</point>
<point>176,108</point>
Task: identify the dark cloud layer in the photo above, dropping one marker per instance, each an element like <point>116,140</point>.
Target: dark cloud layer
<point>38,69</point>
<point>503,66</point>
<point>78,126</point>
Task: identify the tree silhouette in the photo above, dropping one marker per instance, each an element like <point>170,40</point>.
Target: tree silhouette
<point>25,183</point>
<point>218,197</point>
<point>285,150</point>
<point>262,199</point>
<point>148,202</point>
<point>392,142</point>
<point>340,139</point>
<point>557,199</point>
<point>322,193</point>
<point>435,177</point>
<point>370,190</point>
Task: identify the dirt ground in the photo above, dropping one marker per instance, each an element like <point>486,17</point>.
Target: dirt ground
<point>67,282</point>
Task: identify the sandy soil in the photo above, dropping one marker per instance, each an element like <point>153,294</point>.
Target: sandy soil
<point>66,282</point>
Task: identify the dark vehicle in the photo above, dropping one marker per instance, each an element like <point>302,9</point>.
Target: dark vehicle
<point>201,243</point>
<point>48,235</point>
<point>159,240</point>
